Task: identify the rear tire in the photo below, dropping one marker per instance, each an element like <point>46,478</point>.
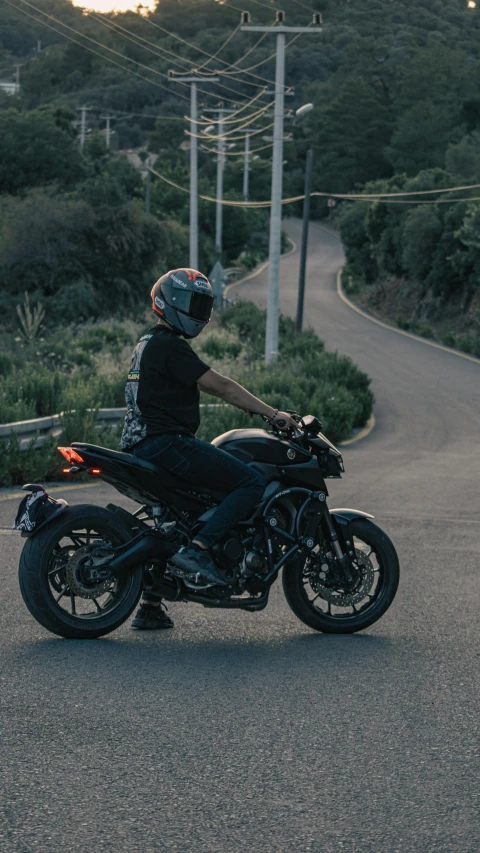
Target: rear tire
<point>36,566</point>
<point>297,597</point>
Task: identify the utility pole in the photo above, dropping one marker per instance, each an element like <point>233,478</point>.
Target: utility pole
<point>303,252</point>
<point>246,166</point>
<point>220,168</point>
<point>281,30</point>
<point>83,124</point>
<point>193,80</point>
<point>148,188</point>
<point>222,112</point>
<point>17,76</point>
<point>107,118</point>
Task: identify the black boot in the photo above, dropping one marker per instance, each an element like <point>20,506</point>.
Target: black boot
<point>151,618</point>
<point>196,565</point>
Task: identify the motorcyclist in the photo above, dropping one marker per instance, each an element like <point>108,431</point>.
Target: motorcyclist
<point>163,415</point>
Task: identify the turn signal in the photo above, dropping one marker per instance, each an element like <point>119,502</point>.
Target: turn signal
<point>94,471</point>
<point>70,454</point>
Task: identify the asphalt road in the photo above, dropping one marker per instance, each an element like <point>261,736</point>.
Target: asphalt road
<point>249,732</point>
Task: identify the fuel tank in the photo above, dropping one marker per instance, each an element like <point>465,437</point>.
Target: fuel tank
<point>258,445</point>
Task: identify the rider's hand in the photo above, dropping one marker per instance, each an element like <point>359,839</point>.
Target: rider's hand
<point>286,421</point>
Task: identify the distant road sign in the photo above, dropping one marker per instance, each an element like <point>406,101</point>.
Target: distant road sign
<point>331,202</point>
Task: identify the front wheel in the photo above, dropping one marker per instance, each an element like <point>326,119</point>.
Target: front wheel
<point>333,610</point>
<point>54,579</point>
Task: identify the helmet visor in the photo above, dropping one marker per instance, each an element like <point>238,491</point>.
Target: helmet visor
<point>198,306</point>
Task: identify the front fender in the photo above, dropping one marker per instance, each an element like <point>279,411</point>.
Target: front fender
<point>342,518</point>
<point>350,514</point>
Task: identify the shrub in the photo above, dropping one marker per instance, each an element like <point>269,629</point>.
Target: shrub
<point>304,377</point>
<point>217,348</point>
<point>6,364</point>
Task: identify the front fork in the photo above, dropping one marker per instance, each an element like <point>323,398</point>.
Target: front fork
<point>342,559</point>
<point>318,514</point>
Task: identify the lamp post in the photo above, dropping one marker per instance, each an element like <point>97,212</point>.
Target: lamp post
<point>306,108</point>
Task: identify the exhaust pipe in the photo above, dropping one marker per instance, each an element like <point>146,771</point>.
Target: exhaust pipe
<point>147,546</point>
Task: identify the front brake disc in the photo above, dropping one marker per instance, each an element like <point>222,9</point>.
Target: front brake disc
<point>339,596</point>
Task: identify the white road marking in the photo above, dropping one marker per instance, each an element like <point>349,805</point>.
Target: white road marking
<point>354,307</point>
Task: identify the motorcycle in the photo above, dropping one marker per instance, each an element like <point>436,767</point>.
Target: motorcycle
<point>83,568</point>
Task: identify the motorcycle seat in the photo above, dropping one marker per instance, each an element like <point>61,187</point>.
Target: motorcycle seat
<point>169,481</point>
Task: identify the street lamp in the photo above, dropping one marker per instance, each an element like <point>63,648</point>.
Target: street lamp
<point>306,108</point>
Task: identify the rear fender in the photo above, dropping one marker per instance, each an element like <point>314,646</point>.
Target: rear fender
<point>342,519</point>
<point>60,508</point>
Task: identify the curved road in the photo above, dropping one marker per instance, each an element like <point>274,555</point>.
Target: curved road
<point>249,732</point>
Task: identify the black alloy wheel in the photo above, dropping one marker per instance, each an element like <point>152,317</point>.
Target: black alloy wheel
<point>61,579</point>
<point>332,608</point>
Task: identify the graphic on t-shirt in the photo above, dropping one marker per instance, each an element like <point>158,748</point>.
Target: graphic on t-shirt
<point>134,428</point>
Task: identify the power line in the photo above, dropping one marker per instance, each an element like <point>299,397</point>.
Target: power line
<point>230,138</point>
<point>158,51</point>
<point>91,50</point>
<point>318,193</point>
<point>116,53</point>
<point>237,153</point>
<point>409,192</point>
<point>181,62</point>
<point>94,41</point>
<point>112,25</point>
<point>116,113</point>
<point>226,135</point>
<point>252,116</point>
<point>249,51</point>
<point>249,103</point>
<point>262,62</point>
<point>210,55</point>
<point>214,56</point>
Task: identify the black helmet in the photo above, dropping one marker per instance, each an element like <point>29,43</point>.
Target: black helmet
<point>183,298</point>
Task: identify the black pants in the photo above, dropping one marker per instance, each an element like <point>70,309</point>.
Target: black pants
<point>202,464</point>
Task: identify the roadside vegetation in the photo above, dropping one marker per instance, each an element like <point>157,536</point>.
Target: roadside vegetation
<point>419,266</point>
<point>80,369</point>
<point>396,106</point>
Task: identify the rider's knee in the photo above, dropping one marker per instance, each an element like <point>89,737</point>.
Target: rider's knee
<point>258,480</point>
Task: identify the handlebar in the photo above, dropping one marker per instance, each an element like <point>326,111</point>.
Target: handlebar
<point>307,425</point>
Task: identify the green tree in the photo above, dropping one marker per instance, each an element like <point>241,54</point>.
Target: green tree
<point>35,150</point>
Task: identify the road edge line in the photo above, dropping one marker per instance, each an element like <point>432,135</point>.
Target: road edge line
<point>347,301</point>
<point>68,487</point>
<point>261,268</point>
<point>362,434</point>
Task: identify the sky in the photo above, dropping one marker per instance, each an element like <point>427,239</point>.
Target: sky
<point>108,5</point>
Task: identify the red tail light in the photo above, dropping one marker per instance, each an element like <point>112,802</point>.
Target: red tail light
<point>70,454</point>
<point>94,471</point>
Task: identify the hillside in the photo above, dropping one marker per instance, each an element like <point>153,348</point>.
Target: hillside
<point>395,88</point>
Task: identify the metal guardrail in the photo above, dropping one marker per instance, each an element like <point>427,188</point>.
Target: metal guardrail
<point>38,430</point>
<point>33,433</point>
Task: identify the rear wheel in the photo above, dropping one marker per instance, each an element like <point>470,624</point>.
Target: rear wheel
<point>57,575</point>
<point>332,609</point>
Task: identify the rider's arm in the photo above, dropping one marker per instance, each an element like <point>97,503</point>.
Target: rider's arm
<point>227,389</point>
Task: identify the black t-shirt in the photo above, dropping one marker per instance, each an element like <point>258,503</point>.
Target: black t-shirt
<point>168,396</point>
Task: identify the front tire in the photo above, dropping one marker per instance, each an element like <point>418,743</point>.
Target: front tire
<point>46,586</point>
<point>337,618</point>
